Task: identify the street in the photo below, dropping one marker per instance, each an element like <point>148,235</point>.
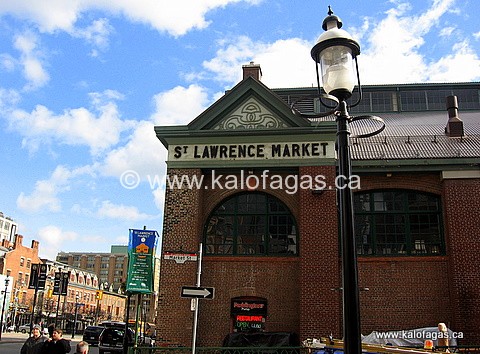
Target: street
<point>11,343</point>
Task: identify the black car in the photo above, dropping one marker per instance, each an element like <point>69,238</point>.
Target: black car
<point>111,339</point>
<point>91,334</point>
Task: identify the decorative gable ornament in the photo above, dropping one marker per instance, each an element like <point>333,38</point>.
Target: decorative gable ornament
<point>251,115</point>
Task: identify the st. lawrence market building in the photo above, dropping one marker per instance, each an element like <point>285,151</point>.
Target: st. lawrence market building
<point>253,181</point>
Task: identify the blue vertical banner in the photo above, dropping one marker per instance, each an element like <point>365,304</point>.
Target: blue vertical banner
<point>142,245</point>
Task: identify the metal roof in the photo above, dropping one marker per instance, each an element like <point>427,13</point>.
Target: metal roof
<point>415,135</point>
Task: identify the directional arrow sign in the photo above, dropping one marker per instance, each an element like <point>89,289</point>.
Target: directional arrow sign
<point>197,292</point>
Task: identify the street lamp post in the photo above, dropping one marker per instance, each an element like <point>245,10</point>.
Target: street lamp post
<point>7,280</point>
<point>336,52</point>
<point>77,297</point>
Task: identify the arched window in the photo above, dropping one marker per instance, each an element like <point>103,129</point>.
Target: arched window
<point>251,224</point>
<point>398,222</point>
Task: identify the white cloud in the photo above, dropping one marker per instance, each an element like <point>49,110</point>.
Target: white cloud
<point>391,53</point>
<point>31,59</point>
<point>52,238</point>
<point>285,63</point>
<point>447,31</point>
<point>463,65</point>
<point>45,195</point>
<point>7,62</point>
<point>8,98</point>
<point>179,105</point>
<point>97,34</point>
<point>143,153</point>
<point>120,212</point>
<point>177,18</point>
<point>76,126</point>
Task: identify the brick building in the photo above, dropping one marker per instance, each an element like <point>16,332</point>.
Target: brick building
<point>262,201</point>
<point>18,258</point>
<point>111,270</point>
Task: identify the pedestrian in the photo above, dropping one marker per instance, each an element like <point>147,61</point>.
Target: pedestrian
<point>82,348</point>
<point>56,344</point>
<point>443,337</point>
<point>35,343</point>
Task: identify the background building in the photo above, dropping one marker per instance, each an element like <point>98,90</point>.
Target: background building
<point>18,259</point>
<point>266,213</point>
<point>111,270</point>
<point>8,228</point>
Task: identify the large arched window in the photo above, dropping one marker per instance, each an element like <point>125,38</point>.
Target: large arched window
<point>398,222</point>
<point>251,224</point>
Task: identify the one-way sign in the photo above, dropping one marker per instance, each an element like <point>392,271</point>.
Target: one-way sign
<point>197,292</point>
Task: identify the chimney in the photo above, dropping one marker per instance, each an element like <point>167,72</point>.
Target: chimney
<point>252,70</point>
<point>18,241</point>
<point>35,244</point>
<point>454,128</point>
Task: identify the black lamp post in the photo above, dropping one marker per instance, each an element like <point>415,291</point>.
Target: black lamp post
<point>336,52</point>
<point>7,280</point>
<point>77,297</point>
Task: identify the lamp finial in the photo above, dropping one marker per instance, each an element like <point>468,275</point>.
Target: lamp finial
<point>330,12</point>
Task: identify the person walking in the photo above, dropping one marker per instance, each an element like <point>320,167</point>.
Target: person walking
<point>35,343</point>
<point>56,344</point>
<point>82,348</point>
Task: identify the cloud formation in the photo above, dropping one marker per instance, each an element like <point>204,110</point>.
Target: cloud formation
<point>98,131</point>
<point>45,196</point>
<point>176,17</point>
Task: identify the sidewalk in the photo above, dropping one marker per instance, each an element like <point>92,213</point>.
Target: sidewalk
<point>12,337</point>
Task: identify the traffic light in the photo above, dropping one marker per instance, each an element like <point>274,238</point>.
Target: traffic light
<point>99,294</point>
<point>50,293</point>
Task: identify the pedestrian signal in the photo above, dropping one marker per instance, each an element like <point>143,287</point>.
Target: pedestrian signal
<point>99,295</point>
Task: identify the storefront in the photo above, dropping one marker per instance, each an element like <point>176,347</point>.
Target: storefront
<point>255,183</point>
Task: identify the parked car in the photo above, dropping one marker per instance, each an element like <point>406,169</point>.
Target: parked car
<point>111,339</point>
<point>91,334</point>
<point>26,329</point>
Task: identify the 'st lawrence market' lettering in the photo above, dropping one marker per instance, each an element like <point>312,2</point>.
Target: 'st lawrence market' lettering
<point>251,151</point>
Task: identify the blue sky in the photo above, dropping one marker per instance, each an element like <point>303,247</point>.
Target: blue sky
<point>83,83</point>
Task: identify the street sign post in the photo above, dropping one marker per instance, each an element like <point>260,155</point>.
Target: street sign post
<point>198,292</point>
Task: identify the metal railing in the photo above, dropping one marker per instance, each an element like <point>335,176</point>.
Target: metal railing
<point>220,350</point>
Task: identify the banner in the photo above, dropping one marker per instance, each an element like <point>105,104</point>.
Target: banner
<point>141,250</point>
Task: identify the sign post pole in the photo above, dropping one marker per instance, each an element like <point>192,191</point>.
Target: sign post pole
<point>195,317</point>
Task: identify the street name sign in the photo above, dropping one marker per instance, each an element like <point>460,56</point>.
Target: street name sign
<point>198,292</point>
<point>180,257</point>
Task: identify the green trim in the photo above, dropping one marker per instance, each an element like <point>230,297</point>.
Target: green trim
<point>250,163</point>
<point>412,165</point>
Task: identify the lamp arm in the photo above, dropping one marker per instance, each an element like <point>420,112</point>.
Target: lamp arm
<point>332,110</point>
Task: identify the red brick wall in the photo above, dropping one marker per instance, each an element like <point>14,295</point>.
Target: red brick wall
<point>273,278</point>
<point>404,293</point>
<point>180,231</point>
<point>320,306</point>
<point>12,262</point>
<point>302,293</point>
<point>462,215</point>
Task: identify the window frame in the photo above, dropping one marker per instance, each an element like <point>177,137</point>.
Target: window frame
<point>242,224</point>
<point>399,220</point>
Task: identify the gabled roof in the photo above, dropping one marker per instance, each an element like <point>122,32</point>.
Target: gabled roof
<point>242,99</point>
<point>249,108</point>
